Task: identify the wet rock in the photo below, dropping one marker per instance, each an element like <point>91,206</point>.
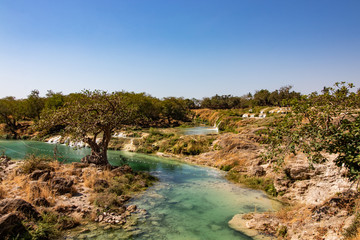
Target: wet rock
<point>11,226</point>
<point>61,185</point>
<point>23,208</point>
<point>41,202</point>
<point>131,208</point>
<point>100,218</point>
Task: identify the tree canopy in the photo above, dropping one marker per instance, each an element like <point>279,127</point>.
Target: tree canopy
<point>92,116</point>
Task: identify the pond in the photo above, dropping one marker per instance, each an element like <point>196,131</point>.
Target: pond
<point>189,202</point>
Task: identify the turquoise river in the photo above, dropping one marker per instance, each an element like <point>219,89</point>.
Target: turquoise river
<point>188,202</point>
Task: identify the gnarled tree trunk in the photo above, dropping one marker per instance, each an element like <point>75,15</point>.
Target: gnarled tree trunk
<point>98,154</point>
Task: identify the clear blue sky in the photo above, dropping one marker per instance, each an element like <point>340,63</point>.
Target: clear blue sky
<point>190,48</point>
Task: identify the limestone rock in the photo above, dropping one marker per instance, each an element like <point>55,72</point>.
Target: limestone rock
<point>257,171</point>
<point>298,171</point>
<point>131,208</point>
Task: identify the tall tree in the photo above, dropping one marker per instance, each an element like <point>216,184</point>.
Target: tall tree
<point>92,116</point>
<point>35,105</point>
<point>11,112</point>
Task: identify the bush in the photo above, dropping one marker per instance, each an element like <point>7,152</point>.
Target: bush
<point>282,231</point>
<point>33,163</point>
<point>226,167</point>
<point>51,225</point>
<point>108,201</point>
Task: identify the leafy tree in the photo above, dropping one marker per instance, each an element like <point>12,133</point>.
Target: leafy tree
<point>34,105</point>
<point>54,100</point>
<point>11,112</point>
<point>175,108</point>
<point>261,98</point>
<point>92,116</point>
<point>318,124</point>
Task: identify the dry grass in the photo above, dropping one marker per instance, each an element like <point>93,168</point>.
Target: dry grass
<point>2,193</point>
<point>294,213</point>
<point>90,175</point>
<point>20,186</point>
<point>357,237</point>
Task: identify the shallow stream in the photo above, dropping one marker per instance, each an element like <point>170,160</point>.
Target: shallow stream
<point>189,202</point>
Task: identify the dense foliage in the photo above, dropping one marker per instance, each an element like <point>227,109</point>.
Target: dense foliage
<point>262,97</point>
<point>320,124</point>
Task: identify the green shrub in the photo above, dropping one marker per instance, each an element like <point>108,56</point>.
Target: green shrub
<point>282,231</point>
<point>261,183</point>
<point>51,225</point>
<point>226,167</point>
<point>108,201</point>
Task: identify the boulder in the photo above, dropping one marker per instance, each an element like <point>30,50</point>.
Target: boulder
<point>257,171</point>
<point>299,171</point>
<point>35,175</point>
<point>61,185</point>
<point>131,208</point>
<point>23,208</point>
<point>11,226</point>
<point>41,202</point>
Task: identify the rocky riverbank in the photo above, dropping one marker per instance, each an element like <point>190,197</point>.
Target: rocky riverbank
<point>320,202</point>
<point>43,198</point>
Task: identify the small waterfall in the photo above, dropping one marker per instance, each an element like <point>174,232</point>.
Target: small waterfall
<point>120,135</point>
<point>54,140</point>
<point>216,125</point>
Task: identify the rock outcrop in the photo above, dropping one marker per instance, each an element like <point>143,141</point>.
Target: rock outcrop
<point>10,225</point>
<point>21,207</point>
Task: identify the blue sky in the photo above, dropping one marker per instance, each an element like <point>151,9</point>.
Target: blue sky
<point>190,48</point>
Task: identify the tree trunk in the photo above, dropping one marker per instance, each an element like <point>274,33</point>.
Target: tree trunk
<point>98,150</point>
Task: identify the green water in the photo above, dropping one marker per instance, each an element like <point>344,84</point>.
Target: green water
<point>189,202</point>
<point>202,130</point>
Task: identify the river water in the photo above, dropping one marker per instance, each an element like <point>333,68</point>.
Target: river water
<point>189,202</point>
